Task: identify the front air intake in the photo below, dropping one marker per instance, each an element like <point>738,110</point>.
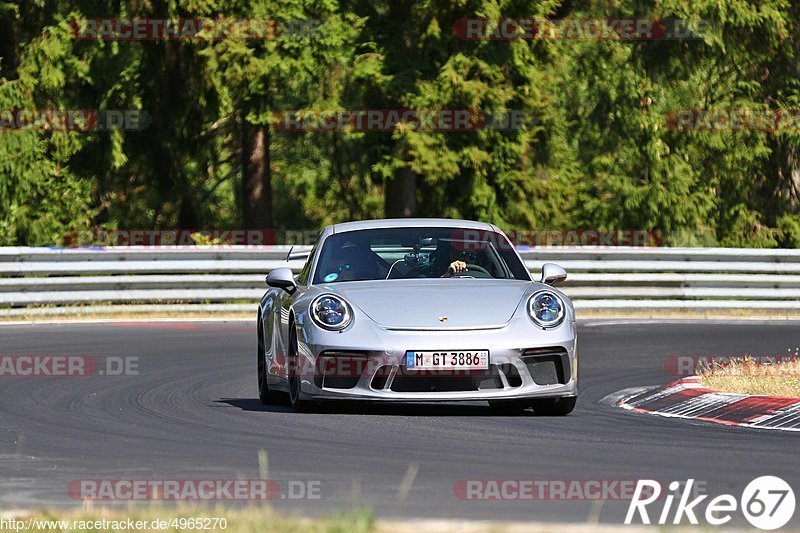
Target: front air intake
<point>339,370</point>
<point>547,366</point>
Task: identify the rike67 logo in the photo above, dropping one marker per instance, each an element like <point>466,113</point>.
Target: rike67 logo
<point>767,503</point>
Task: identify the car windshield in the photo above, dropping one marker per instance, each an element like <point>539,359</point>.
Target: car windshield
<point>406,253</point>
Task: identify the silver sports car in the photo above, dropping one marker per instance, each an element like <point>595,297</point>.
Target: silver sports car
<point>412,310</point>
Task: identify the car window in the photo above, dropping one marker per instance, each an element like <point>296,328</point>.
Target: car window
<point>405,253</point>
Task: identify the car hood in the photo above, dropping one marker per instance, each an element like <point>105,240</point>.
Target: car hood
<point>425,303</point>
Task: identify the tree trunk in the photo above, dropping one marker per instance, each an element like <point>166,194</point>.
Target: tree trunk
<point>401,194</point>
<point>8,46</point>
<point>256,178</point>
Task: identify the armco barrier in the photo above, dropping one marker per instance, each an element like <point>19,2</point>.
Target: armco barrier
<point>43,281</point>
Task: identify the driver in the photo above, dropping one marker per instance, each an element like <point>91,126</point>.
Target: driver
<point>354,261</point>
<point>341,264</point>
<point>445,261</point>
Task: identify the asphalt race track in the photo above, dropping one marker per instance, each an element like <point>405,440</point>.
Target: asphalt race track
<point>192,413</point>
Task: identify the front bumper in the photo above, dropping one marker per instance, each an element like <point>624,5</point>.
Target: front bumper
<point>525,362</point>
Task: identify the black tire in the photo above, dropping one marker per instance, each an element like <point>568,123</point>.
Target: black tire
<point>509,407</point>
<point>554,406</point>
<point>264,393</point>
<point>297,403</point>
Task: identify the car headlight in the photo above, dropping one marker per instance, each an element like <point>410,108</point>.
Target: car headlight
<point>331,312</point>
<point>546,309</point>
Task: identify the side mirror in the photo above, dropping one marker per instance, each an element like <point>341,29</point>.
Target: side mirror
<point>552,274</point>
<point>282,278</point>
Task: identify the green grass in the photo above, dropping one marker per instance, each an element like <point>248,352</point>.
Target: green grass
<point>748,376</point>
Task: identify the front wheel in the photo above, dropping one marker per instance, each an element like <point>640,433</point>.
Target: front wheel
<point>554,406</point>
<point>297,403</point>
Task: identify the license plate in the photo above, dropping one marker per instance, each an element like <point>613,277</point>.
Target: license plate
<point>456,360</point>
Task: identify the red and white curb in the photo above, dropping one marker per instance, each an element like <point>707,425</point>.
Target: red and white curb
<point>687,398</point>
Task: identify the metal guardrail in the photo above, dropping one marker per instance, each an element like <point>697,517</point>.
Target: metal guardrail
<point>58,281</point>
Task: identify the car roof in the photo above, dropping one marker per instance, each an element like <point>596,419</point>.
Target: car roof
<point>410,223</point>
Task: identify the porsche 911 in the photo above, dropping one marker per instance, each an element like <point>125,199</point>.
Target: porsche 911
<point>417,310</point>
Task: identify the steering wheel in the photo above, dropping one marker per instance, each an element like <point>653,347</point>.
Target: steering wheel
<point>464,274</point>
